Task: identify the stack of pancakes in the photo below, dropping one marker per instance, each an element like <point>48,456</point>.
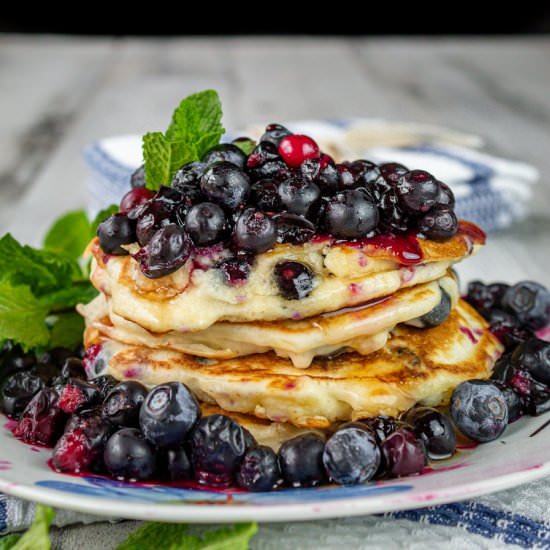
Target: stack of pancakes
<point>356,346</point>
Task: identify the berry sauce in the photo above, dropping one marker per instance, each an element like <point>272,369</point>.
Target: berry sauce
<point>405,248</point>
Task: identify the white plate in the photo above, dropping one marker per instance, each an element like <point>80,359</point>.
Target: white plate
<point>513,459</point>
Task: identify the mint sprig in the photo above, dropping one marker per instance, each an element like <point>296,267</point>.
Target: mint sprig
<point>177,537</point>
<point>38,535</point>
<point>39,288</point>
<point>194,129</point>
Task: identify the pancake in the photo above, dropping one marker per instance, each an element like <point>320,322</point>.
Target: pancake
<point>196,296</point>
<point>415,366</point>
<point>363,329</point>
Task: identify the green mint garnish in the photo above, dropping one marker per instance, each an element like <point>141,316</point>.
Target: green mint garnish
<point>39,288</point>
<point>246,145</point>
<point>195,128</point>
<point>177,537</point>
<point>38,535</point>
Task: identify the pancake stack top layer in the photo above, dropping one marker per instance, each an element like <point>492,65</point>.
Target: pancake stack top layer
<point>275,316</point>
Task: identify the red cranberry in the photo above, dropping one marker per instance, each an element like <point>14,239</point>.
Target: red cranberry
<point>135,197</point>
<point>296,148</point>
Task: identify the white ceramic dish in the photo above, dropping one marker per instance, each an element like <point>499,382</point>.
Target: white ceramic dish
<point>513,459</point>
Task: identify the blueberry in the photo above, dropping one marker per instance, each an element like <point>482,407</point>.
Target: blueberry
<point>15,360</point>
<point>417,191</point>
<point>382,426</point>
<point>56,356</point>
<point>188,176</point>
<point>292,228</point>
<point>263,153</point>
<point>513,401</point>
<point>434,429</point>
<point>298,196</point>
<point>73,368</point>
<point>351,455</point>
<point>206,223</point>
<point>114,232</point>
<point>218,444</point>
<point>274,133</point>
<point>265,195</point>
<point>122,405</point>
<point>148,223</point>
<point>538,404</point>
<point>259,469</point>
<point>511,336</point>
<point>534,356</point>
<point>497,292</point>
<point>351,214</point>
<point>503,369</point>
<point>255,231</point>
<point>128,455</point>
<point>392,171</point>
<point>175,464</point>
<point>446,197</point>
<point>168,414</point>
<point>392,217</point>
<point>479,297</point>
<point>479,410</point>
<point>530,302</point>
<point>437,315</point>
<point>438,224</point>
<point>225,152</point>
<point>166,201</point>
<point>17,391</point>
<point>345,177</point>
<point>329,177</point>
<point>225,184</point>
<point>235,271</point>
<point>105,383</point>
<point>294,280</point>
<point>500,318</point>
<point>168,249</point>
<point>404,454</point>
<point>301,460</point>
<point>137,179</point>
<point>366,173</point>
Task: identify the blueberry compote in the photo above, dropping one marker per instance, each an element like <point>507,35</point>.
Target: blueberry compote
<point>287,191</point>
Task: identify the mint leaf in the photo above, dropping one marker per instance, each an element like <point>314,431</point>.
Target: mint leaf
<point>69,234</point>
<point>41,270</point>
<point>197,120</point>
<point>66,330</point>
<point>22,316</point>
<point>245,145</point>
<point>164,157</point>
<point>176,537</point>
<point>69,297</point>
<point>9,541</point>
<point>101,216</point>
<point>38,535</point>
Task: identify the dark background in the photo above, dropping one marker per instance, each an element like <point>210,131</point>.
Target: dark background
<point>272,17</point>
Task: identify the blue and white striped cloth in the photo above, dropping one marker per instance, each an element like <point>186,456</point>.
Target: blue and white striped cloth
<point>490,191</point>
<point>517,518</point>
